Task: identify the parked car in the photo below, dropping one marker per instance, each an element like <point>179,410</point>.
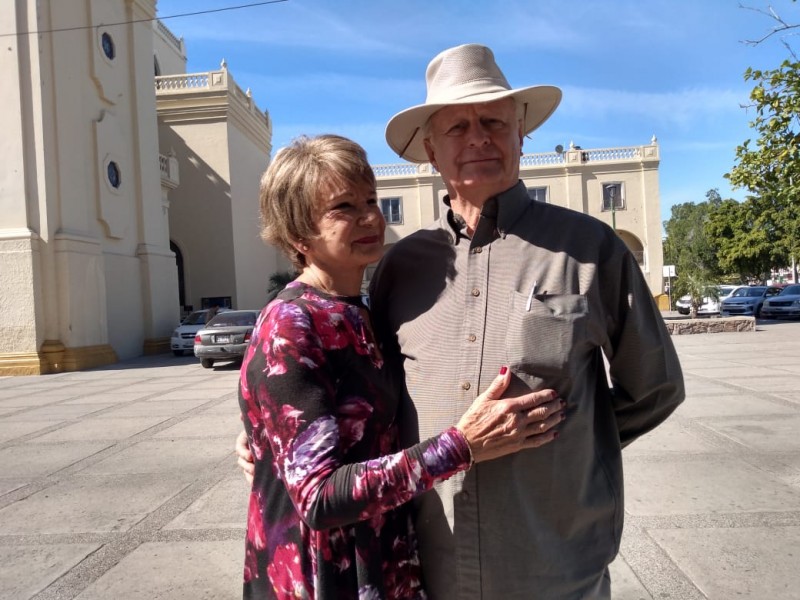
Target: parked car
<point>225,337</point>
<point>709,306</point>
<point>747,300</point>
<point>183,337</point>
<point>785,304</point>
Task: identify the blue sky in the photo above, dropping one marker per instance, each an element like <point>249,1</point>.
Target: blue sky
<point>629,69</point>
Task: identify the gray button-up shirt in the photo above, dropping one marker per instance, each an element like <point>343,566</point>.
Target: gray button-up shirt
<point>546,291</point>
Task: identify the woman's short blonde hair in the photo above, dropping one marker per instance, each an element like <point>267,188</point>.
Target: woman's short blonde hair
<point>291,185</point>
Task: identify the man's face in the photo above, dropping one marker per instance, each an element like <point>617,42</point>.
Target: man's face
<point>476,147</point>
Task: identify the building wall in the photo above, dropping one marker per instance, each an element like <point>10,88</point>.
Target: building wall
<point>83,251</point>
<point>169,51</point>
<point>254,261</point>
<point>222,142</point>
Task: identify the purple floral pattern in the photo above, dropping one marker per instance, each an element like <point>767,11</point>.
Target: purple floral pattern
<point>329,514</point>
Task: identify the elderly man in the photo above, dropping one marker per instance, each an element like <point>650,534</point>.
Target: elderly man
<point>500,279</point>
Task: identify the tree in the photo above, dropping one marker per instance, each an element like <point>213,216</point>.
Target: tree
<point>769,168</point>
<point>277,281</point>
<point>745,239</point>
<point>689,247</point>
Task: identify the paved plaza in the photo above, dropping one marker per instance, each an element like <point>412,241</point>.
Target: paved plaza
<point>121,482</point>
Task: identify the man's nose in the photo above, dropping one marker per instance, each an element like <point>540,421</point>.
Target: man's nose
<point>478,134</point>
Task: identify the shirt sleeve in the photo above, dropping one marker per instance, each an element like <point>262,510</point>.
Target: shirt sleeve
<point>644,367</point>
<point>290,391</point>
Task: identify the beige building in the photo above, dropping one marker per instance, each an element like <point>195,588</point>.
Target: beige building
<point>616,185</point>
<point>103,178</point>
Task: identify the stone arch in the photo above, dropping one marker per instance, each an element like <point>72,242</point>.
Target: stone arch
<point>635,245</point>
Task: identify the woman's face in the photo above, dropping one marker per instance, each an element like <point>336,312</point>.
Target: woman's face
<point>350,226</point>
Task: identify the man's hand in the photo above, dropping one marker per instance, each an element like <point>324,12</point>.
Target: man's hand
<point>495,427</point>
<point>245,457</point>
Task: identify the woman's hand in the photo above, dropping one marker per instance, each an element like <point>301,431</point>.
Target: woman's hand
<point>495,427</point>
<point>245,457</point>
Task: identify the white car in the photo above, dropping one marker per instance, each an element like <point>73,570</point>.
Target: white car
<point>709,306</point>
<point>182,339</point>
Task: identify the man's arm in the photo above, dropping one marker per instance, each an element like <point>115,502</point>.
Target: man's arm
<point>645,370</point>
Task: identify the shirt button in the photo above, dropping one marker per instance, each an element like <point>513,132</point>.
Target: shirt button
<point>477,250</point>
<point>476,292</point>
<point>466,385</point>
<point>471,337</point>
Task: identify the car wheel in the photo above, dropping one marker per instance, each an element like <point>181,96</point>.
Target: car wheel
<point>757,312</point>
<point>207,363</point>
<point>178,352</point>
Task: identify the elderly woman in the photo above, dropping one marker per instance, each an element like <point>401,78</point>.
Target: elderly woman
<point>328,514</point>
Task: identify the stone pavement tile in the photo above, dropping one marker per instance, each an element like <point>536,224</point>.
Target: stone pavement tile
<point>696,387</point>
<point>765,433</point>
<point>22,429</point>
<point>27,570</point>
<point>624,583</point>
<point>9,485</point>
<point>174,571</point>
<point>90,504</point>
<point>672,436</point>
<point>190,394</point>
<point>702,484</point>
<point>732,370</point>
<point>748,563</point>
<point>103,429</point>
<point>38,460</point>
<point>26,400</point>
<point>224,506</point>
<point>790,396</point>
<point>205,425</point>
<point>153,408</point>
<point>730,404</point>
<point>783,383</point>
<point>57,411</point>
<point>165,456</point>
<point>114,397</point>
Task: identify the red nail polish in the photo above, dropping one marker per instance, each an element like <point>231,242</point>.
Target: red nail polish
<point>503,370</point>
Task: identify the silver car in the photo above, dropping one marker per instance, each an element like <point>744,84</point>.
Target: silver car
<point>225,337</point>
<point>785,304</point>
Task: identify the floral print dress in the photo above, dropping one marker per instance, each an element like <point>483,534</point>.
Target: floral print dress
<point>328,514</point>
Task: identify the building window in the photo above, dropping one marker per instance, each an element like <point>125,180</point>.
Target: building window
<point>539,194</point>
<point>613,196</point>
<point>392,209</point>
<point>107,42</point>
<point>113,175</point>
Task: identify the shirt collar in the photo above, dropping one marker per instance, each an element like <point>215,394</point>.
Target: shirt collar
<point>500,214</point>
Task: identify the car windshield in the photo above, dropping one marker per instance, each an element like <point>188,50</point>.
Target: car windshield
<point>196,318</point>
<point>792,290</point>
<point>749,292</point>
<point>234,319</point>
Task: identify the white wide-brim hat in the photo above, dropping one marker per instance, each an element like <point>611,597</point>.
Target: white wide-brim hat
<point>465,74</point>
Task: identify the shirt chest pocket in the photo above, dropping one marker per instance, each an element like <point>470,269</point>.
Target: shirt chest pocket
<point>543,333</point>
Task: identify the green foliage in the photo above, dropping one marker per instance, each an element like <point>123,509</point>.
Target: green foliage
<point>687,245</point>
<point>277,281</point>
<point>745,239</point>
<point>769,167</point>
<point>698,285</point>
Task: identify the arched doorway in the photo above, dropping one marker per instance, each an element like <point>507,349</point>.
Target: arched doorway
<point>635,246</point>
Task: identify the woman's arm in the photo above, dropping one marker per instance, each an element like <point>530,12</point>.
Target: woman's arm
<point>307,442</point>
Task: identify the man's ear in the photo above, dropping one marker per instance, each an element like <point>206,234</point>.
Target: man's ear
<point>430,153</point>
